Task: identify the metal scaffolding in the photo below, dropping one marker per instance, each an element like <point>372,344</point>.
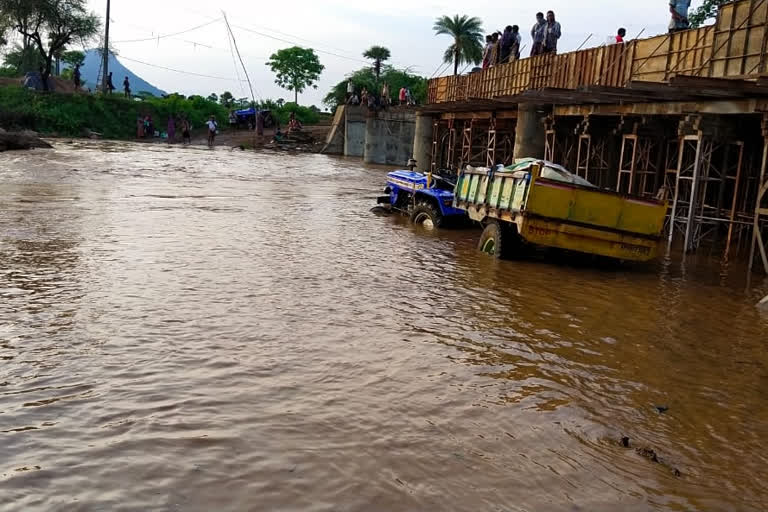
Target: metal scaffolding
<point>761,207</point>
<point>638,165</point>
<point>708,165</point>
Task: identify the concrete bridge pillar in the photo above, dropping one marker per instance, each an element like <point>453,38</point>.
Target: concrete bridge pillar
<point>354,131</point>
<point>530,135</point>
<point>422,142</point>
<point>375,141</point>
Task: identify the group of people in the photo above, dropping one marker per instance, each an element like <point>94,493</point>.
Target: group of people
<point>110,84</point>
<point>145,128</point>
<point>373,102</point>
<point>501,47</point>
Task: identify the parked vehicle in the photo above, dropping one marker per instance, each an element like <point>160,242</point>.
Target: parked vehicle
<point>536,202</point>
<point>246,118</point>
<point>426,198</point>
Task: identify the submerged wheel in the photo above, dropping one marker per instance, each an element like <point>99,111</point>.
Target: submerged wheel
<point>499,240</point>
<point>427,216</point>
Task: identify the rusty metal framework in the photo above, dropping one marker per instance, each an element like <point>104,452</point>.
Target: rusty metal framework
<point>638,165</point>
<point>490,151</point>
<point>699,207</point>
<point>759,244</point>
<point>592,159</point>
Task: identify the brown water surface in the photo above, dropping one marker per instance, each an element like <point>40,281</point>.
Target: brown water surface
<point>183,329</point>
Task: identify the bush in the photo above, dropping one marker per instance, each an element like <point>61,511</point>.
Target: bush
<point>304,114</point>
<point>112,116</point>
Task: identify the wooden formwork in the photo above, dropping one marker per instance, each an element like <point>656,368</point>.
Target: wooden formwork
<point>735,46</point>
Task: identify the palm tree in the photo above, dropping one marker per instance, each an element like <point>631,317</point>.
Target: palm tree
<point>467,36</point>
<point>377,54</point>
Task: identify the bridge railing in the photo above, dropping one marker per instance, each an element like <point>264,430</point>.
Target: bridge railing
<point>735,46</point>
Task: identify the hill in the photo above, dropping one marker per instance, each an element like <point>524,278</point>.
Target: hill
<point>90,74</point>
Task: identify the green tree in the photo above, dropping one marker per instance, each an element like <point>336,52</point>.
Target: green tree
<point>213,97</point>
<point>73,58</point>
<point>707,10</point>
<point>467,34</point>
<point>50,25</point>
<point>18,61</point>
<point>296,69</point>
<point>226,99</point>
<point>377,54</point>
<point>365,78</point>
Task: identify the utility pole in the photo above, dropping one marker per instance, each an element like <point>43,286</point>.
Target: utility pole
<point>105,56</point>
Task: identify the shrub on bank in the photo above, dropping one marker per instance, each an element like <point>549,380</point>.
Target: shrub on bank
<point>112,116</point>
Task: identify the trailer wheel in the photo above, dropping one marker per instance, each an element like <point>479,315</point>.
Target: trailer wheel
<point>498,240</point>
<point>426,215</point>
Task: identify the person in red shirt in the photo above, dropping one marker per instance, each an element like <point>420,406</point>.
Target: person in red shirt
<point>620,35</point>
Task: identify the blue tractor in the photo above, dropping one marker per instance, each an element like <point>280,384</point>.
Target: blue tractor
<point>426,198</point>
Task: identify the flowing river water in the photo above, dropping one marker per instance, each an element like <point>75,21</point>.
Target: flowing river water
<point>184,329</point>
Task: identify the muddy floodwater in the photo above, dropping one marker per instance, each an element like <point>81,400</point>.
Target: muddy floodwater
<point>184,329</point>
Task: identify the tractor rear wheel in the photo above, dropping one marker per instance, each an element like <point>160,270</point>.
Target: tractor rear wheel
<point>427,216</point>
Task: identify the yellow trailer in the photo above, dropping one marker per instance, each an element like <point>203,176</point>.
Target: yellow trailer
<point>541,203</point>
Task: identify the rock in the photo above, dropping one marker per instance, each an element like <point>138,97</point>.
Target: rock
<point>21,140</point>
<point>648,453</point>
<point>763,304</point>
<point>661,409</point>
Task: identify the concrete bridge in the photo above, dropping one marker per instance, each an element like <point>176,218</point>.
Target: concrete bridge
<point>683,116</point>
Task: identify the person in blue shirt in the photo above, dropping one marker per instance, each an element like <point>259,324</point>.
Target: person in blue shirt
<point>679,11</point>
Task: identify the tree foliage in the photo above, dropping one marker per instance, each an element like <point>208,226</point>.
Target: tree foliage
<point>467,34</point>
<point>707,10</point>
<point>73,58</point>
<point>378,54</point>
<point>365,78</point>
<point>226,99</point>
<point>50,25</point>
<point>296,69</point>
<point>18,61</point>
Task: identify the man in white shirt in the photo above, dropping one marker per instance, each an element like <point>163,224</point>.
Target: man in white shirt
<point>212,129</point>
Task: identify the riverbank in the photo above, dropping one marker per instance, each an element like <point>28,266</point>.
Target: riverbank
<point>113,116</point>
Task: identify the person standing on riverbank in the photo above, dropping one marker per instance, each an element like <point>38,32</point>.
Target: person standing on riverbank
<point>139,127</point>
<point>186,131</point>
<point>171,129</point>
<point>110,85</point>
<point>127,88</point>
<point>76,77</point>
<point>213,127</point>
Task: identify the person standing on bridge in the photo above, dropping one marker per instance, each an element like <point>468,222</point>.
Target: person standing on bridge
<point>679,11</point>
<point>493,59</point>
<point>487,50</point>
<point>620,35</point>
<point>514,51</point>
<point>537,33</point>
<point>506,44</point>
<point>551,33</point>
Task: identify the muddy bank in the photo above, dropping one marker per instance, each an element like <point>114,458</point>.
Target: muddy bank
<point>10,141</point>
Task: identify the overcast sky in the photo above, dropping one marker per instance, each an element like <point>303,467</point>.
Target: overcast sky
<point>331,27</point>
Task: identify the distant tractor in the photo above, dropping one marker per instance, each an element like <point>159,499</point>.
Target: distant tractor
<point>426,198</point>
